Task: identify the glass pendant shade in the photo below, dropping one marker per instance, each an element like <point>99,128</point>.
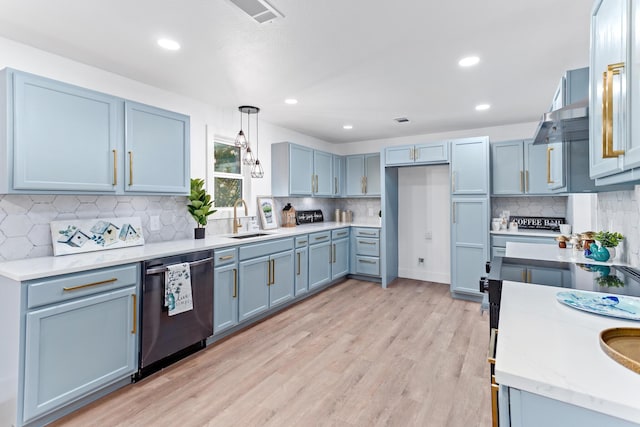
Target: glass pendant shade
<point>256,170</point>
<point>241,140</point>
<point>248,158</point>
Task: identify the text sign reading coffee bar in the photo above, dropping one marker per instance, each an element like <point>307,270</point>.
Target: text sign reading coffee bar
<point>538,222</point>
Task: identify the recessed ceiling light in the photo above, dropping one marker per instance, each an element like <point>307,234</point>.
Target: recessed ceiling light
<point>468,61</point>
<point>168,44</point>
<point>291,101</point>
<point>482,107</point>
<point>347,127</point>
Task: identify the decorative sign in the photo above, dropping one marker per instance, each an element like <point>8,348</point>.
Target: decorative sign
<point>75,236</point>
<point>309,217</point>
<point>538,222</point>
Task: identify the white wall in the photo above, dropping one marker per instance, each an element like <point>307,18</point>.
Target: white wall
<point>206,120</point>
<point>423,205</point>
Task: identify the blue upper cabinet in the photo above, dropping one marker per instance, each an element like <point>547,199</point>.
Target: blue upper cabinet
<point>519,167</point>
<point>363,175</point>
<point>433,153</point>
<point>156,150</point>
<point>301,180</point>
<point>323,174</point>
<point>338,176</point>
<point>470,166</point>
<point>62,138</point>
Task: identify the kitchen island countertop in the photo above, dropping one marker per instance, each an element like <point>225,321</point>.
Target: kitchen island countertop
<point>550,349</point>
<point>546,252</point>
<point>37,268</point>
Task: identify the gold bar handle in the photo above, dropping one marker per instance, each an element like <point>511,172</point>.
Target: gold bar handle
<point>454,212</point>
<point>115,167</point>
<point>235,283</point>
<point>273,271</point>
<point>334,253</point>
<point>365,185</point>
<point>313,182</point>
<point>364,233</point>
<point>365,261</point>
<point>226,257</point>
<point>522,181</point>
<point>523,276</point>
<point>321,238</point>
<point>416,154</point>
<point>549,150</point>
<point>298,273</point>
<point>134,327</point>
<point>529,276</point>
<point>492,346</point>
<point>526,181</point>
<point>130,168</point>
<point>366,243</point>
<point>102,282</point>
<point>607,99</point>
<point>342,233</point>
<point>494,402</point>
<point>302,242</point>
<point>335,184</point>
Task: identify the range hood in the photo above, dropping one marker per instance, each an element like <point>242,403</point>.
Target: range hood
<point>564,124</point>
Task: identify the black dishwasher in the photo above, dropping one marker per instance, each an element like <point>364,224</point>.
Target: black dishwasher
<point>163,338</point>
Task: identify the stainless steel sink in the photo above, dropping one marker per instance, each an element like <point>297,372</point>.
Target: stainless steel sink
<point>248,236</point>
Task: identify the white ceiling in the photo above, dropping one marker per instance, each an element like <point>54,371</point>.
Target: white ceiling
<point>361,62</point>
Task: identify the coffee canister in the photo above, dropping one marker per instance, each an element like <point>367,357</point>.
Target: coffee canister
<point>336,215</point>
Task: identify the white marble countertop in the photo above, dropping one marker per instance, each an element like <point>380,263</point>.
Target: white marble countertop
<point>528,233</point>
<point>36,268</point>
<point>551,252</point>
<point>550,349</point>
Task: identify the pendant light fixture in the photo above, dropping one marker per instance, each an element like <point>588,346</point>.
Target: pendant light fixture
<point>256,170</point>
<point>241,140</point>
<point>248,159</point>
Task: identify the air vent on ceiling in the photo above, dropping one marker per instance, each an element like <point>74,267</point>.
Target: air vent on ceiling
<point>401,120</point>
<point>259,10</point>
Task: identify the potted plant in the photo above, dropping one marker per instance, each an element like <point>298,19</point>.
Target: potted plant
<point>199,206</point>
<point>609,239</point>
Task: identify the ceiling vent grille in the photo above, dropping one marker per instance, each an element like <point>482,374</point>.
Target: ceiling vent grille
<point>401,120</point>
<point>260,10</point>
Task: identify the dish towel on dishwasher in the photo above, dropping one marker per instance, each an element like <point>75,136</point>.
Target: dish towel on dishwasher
<point>177,289</point>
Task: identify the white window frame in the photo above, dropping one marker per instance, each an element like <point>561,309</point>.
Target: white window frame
<point>220,139</point>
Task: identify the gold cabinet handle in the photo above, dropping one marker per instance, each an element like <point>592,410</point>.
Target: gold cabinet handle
<point>522,181</point>
<point>334,253</point>
<point>528,276</point>
<point>273,271</point>
<point>607,111</point>
<point>335,185</point>
<point>87,285</point>
<point>549,150</point>
<point>492,346</point>
<point>526,181</point>
<point>494,402</point>
<point>364,233</point>
<point>298,273</point>
<point>413,153</point>
<point>115,167</point>
<point>366,261</point>
<point>135,314</point>
<point>302,242</point>
<point>235,283</point>
<point>523,276</point>
<point>365,185</point>
<point>454,212</point>
<point>343,233</point>
<point>366,243</point>
<point>416,154</point>
<point>226,257</point>
<point>321,238</point>
<point>130,168</point>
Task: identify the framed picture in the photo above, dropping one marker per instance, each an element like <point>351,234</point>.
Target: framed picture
<point>266,210</point>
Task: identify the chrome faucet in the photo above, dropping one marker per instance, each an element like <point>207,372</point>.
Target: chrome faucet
<point>236,222</point>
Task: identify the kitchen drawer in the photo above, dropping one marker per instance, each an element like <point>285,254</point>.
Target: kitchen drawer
<point>254,250</point>
<point>367,265</point>
<point>341,233</point>
<point>320,237</point>
<point>367,232</point>
<point>225,256</point>
<point>501,240</point>
<point>366,246</point>
<point>302,241</point>
<point>70,286</point>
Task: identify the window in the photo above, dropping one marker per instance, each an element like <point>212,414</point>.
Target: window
<point>227,173</point>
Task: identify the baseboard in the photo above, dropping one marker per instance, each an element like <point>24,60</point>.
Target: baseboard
<point>427,276</point>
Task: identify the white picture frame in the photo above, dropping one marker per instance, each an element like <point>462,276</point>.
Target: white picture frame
<point>267,212</point>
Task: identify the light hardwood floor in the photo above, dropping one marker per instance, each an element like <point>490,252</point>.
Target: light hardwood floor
<point>354,355</point>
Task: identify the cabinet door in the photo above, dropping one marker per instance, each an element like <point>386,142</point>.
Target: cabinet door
<point>323,167</point>
<point>74,348</point>
<point>282,284</point>
<point>470,166</point>
<point>157,150</point>
<point>372,174</point>
<point>608,46</point>
<point>355,175</point>
<point>319,264</point>
<point>632,150</point>
<point>253,292</point>
<point>535,165</point>
<point>470,243</point>
<point>338,175</point>
<point>437,152</point>
<point>225,297</point>
<point>507,167</point>
<point>64,137</point>
<point>555,166</point>
<point>302,271</point>
<point>300,170</point>
<point>340,258</point>
<point>398,155</point>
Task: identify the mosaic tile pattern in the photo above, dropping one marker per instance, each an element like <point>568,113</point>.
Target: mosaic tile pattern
<point>361,207</point>
<point>530,206</point>
<point>620,211</point>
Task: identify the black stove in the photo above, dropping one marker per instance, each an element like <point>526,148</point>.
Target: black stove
<point>587,277</point>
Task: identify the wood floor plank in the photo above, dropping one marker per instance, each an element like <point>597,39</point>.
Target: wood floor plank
<point>353,355</point>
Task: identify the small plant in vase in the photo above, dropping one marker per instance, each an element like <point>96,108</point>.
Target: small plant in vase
<point>200,206</point>
<point>609,240</point>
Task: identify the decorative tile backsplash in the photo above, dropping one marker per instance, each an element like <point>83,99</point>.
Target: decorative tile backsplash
<point>620,211</point>
<point>360,207</point>
<point>555,206</point>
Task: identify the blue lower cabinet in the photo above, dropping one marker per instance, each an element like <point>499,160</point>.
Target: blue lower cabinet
<point>281,288</point>
<point>301,275</point>
<point>253,287</point>
<point>320,258</point>
<point>225,297</point>
<point>340,258</point>
<point>77,347</point>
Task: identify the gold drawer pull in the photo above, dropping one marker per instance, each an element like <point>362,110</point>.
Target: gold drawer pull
<point>607,111</point>
<point>87,285</point>
<point>367,243</point>
<point>365,261</point>
<point>492,346</point>
<point>130,168</point>
<point>302,242</point>
<point>135,313</point>
<point>115,167</point>
<point>235,283</point>
<point>322,237</point>
<point>341,234</point>
<point>226,257</point>
<point>549,180</point>
<point>522,181</point>
<point>363,233</point>
<point>298,273</point>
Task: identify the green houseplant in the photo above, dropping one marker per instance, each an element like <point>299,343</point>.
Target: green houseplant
<point>609,239</point>
<point>200,206</point>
